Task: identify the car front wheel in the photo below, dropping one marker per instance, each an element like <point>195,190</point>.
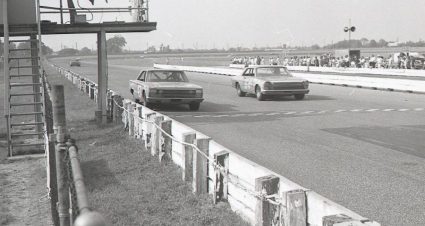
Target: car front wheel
<point>239,91</point>
<point>299,96</point>
<point>258,94</point>
<point>194,106</point>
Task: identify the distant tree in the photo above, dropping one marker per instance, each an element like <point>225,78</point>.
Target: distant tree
<point>315,46</point>
<point>85,51</point>
<point>116,44</point>
<point>373,43</point>
<point>68,52</point>
<point>46,50</point>
<point>382,43</point>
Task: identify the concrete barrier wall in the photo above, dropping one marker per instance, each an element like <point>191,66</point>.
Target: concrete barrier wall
<point>342,70</point>
<point>240,176</point>
<point>390,84</point>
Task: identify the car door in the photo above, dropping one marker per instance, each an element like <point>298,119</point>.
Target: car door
<point>248,75</point>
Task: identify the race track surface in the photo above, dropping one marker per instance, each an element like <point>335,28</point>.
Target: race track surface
<point>364,149</point>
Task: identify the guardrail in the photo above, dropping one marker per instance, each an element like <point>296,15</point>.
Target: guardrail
<point>387,84</point>
<point>343,70</point>
<point>67,192</point>
<point>259,195</point>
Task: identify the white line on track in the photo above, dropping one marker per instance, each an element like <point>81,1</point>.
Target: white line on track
<point>220,116</point>
<point>255,114</point>
<point>273,113</point>
<point>341,110</point>
<point>321,112</point>
<point>299,113</point>
<point>202,116</point>
<point>237,115</point>
<point>307,112</point>
<point>182,116</point>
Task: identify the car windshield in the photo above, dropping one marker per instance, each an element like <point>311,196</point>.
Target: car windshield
<point>272,71</point>
<point>166,76</point>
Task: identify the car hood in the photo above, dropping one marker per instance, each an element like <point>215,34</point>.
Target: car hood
<point>173,85</point>
<point>281,79</point>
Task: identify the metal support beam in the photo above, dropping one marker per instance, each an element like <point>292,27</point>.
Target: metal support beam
<point>102,77</point>
<point>6,72</point>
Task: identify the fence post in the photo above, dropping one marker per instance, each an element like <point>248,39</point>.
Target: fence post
<point>221,178</point>
<point>138,122</point>
<point>110,106</point>
<point>156,135</point>
<point>149,132</point>
<point>296,208</point>
<point>59,119</point>
<point>265,211</point>
<point>130,108</point>
<point>125,113</point>
<point>117,112</point>
<point>187,156</point>
<point>92,91</point>
<point>87,84</point>
<point>200,167</point>
<point>166,147</point>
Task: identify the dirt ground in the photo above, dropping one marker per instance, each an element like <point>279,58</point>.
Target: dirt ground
<point>23,197</point>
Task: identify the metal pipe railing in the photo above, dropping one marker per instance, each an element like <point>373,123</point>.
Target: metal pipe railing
<point>77,175</point>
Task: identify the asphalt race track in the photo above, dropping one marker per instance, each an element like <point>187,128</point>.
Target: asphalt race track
<point>364,149</point>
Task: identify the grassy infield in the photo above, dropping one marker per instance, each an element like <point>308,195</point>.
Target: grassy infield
<point>126,184</point>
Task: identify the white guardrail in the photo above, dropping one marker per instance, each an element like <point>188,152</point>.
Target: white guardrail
<point>257,194</point>
<point>390,84</point>
<point>343,70</point>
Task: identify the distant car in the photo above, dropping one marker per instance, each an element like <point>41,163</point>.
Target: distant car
<point>75,62</point>
<point>159,86</point>
<point>269,81</point>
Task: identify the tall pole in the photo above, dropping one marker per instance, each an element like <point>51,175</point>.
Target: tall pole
<point>61,10</point>
<point>102,77</point>
<point>349,37</point>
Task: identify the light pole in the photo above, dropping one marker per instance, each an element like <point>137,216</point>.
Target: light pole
<point>349,29</point>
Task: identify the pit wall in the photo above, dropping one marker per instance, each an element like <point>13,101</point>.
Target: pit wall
<point>386,84</point>
<point>257,194</point>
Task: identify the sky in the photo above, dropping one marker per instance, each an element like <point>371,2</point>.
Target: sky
<point>255,23</point>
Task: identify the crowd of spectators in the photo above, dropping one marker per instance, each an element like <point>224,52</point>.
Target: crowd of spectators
<point>397,61</point>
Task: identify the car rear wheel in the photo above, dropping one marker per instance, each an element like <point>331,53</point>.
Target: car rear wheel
<point>299,96</point>
<point>258,94</point>
<point>239,91</point>
<point>194,106</point>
